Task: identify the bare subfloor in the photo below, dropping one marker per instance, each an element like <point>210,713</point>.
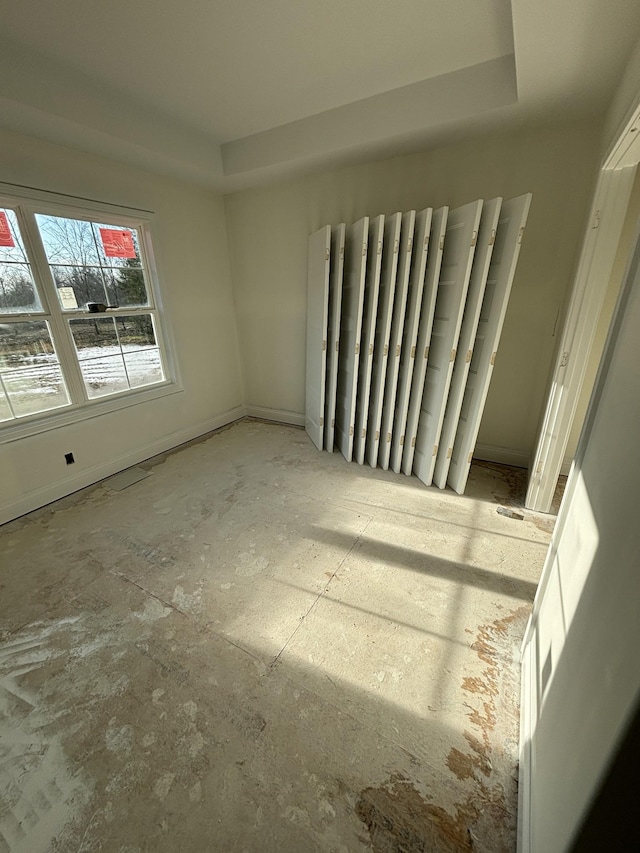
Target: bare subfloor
<point>260,647</point>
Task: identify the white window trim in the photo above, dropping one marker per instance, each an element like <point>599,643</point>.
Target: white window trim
<point>35,424</point>
<point>32,201</point>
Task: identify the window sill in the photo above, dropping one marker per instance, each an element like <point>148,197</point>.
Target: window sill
<point>35,424</point>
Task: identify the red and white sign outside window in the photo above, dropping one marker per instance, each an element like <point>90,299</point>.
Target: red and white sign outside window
<point>117,244</point>
<point>6,237</point>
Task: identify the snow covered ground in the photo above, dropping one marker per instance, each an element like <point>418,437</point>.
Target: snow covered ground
<point>37,385</point>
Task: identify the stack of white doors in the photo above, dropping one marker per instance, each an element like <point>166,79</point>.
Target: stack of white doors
<point>404,317</point>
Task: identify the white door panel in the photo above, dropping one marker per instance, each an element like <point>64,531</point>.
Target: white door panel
<point>317,294</point>
<point>390,251</point>
<point>513,218</point>
<point>459,249</point>
<point>371,290</point>
<point>333,332</point>
<point>477,284</point>
<point>411,323</point>
<point>395,340</point>
<point>429,294</point>
<point>350,330</point>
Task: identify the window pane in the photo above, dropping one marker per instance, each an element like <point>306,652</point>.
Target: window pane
<point>29,370</point>
<point>87,283</point>
<point>126,286</point>
<point>95,337</point>
<point>135,332</point>
<point>25,344</point>
<point>144,367</point>
<point>104,375</point>
<point>106,344</point>
<point>17,290</point>
<point>5,411</point>
<point>35,389</point>
<point>100,262</point>
<point>68,241</point>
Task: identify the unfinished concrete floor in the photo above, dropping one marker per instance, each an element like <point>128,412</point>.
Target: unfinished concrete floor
<point>260,647</point>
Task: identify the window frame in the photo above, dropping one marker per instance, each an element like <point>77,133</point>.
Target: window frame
<point>27,202</point>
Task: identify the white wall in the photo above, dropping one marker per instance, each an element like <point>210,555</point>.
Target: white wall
<point>189,238</point>
<point>584,679</point>
<point>268,230</point>
<point>624,101</point>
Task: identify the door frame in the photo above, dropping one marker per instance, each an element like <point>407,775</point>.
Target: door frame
<point>599,247</point>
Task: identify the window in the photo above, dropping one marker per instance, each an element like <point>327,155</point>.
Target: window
<point>78,314</point>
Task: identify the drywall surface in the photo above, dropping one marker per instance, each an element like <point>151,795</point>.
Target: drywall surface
<point>189,239</point>
<point>269,227</point>
<point>624,101</point>
<point>625,246</point>
<point>585,628</point>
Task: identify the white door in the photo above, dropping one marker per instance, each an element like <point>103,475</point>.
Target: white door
<point>390,251</point>
<point>317,297</point>
<point>350,328</point>
<point>429,294</point>
<point>477,284</point>
<point>333,332</point>
<point>595,265</point>
<point>371,290</point>
<point>395,340</point>
<point>513,218</point>
<point>459,249</point>
<point>411,323</point>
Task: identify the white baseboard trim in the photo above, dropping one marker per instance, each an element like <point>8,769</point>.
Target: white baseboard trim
<point>502,455</point>
<point>278,415</point>
<point>53,492</point>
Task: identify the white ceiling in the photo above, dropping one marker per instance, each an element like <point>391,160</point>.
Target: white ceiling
<point>231,91</point>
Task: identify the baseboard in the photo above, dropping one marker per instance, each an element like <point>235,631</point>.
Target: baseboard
<point>502,455</point>
<point>279,415</point>
<point>89,476</point>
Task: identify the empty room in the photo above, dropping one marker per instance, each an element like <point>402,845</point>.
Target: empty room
<point>319,394</point>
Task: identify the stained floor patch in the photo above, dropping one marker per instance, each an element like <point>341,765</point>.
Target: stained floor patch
<point>400,820</point>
